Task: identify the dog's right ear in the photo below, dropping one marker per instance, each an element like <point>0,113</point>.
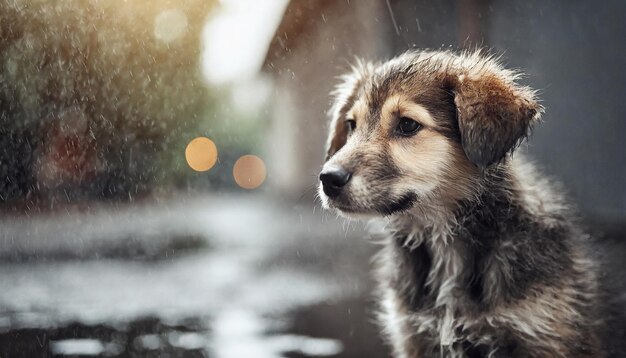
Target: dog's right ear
<point>344,95</point>
<point>494,112</point>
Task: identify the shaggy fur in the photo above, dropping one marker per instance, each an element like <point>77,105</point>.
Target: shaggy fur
<point>482,257</point>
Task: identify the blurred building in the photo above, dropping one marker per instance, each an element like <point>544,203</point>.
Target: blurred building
<point>315,42</point>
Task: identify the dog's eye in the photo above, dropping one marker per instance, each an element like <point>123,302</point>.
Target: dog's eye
<point>351,123</point>
<point>407,127</point>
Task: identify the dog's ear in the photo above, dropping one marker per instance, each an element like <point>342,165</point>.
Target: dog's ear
<point>337,137</point>
<point>494,113</point>
<point>344,95</point>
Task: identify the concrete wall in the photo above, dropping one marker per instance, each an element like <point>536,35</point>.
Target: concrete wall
<point>574,51</point>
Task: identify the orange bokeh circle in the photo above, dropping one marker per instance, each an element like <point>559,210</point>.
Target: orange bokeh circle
<point>249,171</point>
<point>201,154</point>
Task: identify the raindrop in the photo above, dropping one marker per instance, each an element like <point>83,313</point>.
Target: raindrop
<point>393,18</point>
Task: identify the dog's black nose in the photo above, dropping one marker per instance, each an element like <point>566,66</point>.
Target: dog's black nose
<point>333,179</point>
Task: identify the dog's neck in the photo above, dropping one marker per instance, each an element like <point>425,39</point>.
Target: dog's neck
<point>496,204</point>
<point>453,245</point>
<point>441,249</point>
<point>457,267</point>
<point>512,206</point>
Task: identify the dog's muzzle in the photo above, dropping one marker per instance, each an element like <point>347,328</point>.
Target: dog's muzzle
<point>334,179</point>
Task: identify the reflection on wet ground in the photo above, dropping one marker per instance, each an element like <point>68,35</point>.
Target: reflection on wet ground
<point>143,338</point>
<point>341,329</point>
<point>204,277</point>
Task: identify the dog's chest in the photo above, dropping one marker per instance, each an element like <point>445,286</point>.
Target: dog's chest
<point>430,284</point>
<point>440,312</point>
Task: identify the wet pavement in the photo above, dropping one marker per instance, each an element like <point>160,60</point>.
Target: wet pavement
<point>208,276</point>
<point>196,277</point>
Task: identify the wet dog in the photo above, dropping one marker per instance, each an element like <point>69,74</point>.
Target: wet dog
<point>482,257</point>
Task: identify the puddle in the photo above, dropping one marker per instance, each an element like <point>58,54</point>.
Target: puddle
<point>349,334</point>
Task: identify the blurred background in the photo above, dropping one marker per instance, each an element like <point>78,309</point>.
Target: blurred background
<point>159,163</point>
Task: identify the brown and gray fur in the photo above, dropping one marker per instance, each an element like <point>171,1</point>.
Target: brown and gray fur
<point>482,257</point>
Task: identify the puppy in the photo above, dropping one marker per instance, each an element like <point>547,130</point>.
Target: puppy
<point>482,257</point>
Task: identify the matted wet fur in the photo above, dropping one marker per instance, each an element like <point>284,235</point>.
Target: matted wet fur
<point>482,258</point>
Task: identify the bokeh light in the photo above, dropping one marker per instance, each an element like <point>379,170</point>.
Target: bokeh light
<point>249,172</point>
<point>248,23</point>
<point>201,154</point>
<point>170,25</point>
